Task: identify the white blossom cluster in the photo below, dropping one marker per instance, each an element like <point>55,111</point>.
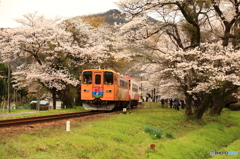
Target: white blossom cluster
<point>49,77</point>
<point>167,65</point>
<point>147,1</point>
<point>201,70</point>
<point>134,7</point>
<point>50,46</point>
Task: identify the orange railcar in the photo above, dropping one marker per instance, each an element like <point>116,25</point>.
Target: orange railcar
<point>106,90</point>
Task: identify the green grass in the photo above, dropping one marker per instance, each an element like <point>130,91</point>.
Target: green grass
<point>128,136</point>
<point>157,133</point>
<point>42,113</point>
<point>5,111</point>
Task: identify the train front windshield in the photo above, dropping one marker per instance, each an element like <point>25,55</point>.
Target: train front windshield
<point>108,78</point>
<point>87,77</point>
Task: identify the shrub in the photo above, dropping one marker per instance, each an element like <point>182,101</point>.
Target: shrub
<point>157,133</point>
<point>33,105</point>
<point>169,135</point>
<point>235,106</point>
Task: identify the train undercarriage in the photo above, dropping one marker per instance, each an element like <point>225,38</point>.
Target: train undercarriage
<point>98,104</point>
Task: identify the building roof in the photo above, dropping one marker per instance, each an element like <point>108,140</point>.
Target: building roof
<point>42,102</point>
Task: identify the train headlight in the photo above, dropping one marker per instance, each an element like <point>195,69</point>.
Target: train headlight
<point>109,91</point>
<point>86,90</point>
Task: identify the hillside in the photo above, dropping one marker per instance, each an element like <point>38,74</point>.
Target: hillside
<point>113,16</point>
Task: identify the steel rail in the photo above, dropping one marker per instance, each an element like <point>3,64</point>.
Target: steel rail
<point>10,122</point>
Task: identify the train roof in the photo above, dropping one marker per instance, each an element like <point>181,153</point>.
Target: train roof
<point>127,77</point>
<point>99,70</point>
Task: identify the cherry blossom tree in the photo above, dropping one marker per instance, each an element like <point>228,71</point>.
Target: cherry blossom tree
<point>171,17</point>
<point>227,12</point>
<point>51,50</point>
<point>198,73</point>
<point>176,54</point>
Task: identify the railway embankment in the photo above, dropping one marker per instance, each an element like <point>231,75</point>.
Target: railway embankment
<point>128,136</point>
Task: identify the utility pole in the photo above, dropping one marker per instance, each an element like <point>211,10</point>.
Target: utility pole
<point>9,87</point>
<point>154,95</point>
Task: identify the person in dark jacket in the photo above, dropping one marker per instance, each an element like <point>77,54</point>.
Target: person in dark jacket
<point>176,104</point>
<point>148,96</point>
<point>171,103</point>
<point>182,103</point>
<point>142,98</point>
<point>162,101</point>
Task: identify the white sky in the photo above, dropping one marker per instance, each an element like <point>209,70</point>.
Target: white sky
<point>13,9</point>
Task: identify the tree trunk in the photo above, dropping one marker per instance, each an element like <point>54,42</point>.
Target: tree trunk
<point>66,97</point>
<point>226,34</point>
<point>220,97</point>
<point>54,97</point>
<point>188,110</point>
<point>218,104</point>
<point>219,110</point>
<point>228,24</point>
<point>200,110</point>
<point>78,100</point>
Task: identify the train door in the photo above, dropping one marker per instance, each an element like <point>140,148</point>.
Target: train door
<point>97,90</point>
<point>109,86</point>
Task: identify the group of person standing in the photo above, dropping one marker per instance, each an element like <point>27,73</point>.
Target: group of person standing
<point>177,103</point>
<point>172,103</point>
<point>148,97</point>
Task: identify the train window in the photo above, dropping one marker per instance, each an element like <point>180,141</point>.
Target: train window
<point>98,79</point>
<point>134,88</point>
<point>108,78</point>
<point>123,84</point>
<point>87,77</point>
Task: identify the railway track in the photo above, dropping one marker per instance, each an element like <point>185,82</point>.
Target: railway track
<point>26,120</point>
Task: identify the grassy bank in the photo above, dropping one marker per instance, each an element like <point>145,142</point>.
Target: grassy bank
<point>40,113</point>
<point>128,136</point>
